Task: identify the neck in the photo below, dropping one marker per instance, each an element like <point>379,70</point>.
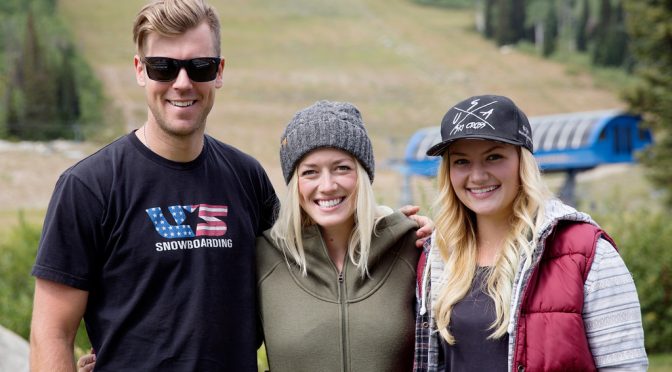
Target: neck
<point>337,239</point>
<point>490,237</point>
<point>169,146</point>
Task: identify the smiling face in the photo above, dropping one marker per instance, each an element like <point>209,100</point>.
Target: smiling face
<point>485,176</point>
<point>327,180</point>
<point>180,107</point>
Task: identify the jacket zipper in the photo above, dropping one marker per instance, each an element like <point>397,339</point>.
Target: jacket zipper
<point>344,316</point>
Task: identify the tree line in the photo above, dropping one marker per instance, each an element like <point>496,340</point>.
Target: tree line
<point>596,27</point>
<point>47,90</point>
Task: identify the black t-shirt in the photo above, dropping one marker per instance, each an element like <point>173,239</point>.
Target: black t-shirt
<point>166,252</point>
<point>469,323</point>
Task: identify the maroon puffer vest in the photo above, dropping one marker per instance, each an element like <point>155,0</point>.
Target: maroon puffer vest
<point>551,335</point>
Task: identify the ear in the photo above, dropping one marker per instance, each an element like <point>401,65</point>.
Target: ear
<point>219,80</point>
<point>139,71</point>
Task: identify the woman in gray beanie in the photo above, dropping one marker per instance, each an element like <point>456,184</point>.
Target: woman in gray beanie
<point>336,273</point>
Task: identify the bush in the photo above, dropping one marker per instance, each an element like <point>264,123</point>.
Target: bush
<point>644,240</point>
<point>17,255</point>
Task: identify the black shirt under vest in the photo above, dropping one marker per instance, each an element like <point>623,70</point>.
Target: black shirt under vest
<point>470,325</point>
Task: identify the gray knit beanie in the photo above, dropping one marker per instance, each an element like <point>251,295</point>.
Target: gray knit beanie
<point>325,124</point>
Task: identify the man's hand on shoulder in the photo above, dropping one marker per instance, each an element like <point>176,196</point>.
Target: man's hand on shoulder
<point>425,224</point>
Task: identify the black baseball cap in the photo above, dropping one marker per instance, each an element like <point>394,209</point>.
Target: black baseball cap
<point>489,117</point>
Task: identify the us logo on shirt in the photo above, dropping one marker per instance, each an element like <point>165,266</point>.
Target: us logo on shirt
<point>211,225</point>
<point>208,233</point>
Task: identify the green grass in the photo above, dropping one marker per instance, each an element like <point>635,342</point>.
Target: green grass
<point>660,362</point>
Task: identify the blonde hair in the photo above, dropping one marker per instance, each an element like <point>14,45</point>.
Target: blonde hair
<point>171,18</point>
<point>287,230</point>
<point>456,241</point>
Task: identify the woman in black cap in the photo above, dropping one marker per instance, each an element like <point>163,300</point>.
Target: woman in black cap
<point>515,280</point>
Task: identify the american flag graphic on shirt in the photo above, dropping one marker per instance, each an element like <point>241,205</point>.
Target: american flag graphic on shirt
<point>209,224</point>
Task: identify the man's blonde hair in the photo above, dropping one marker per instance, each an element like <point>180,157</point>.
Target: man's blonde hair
<point>171,18</point>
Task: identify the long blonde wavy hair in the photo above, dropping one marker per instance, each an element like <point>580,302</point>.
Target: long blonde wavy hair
<point>287,230</point>
<point>456,241</point>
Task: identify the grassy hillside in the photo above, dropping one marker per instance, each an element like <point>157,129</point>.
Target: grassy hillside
<point>401,63</point>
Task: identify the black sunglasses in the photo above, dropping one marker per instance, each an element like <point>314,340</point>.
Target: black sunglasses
<point>166,69</point>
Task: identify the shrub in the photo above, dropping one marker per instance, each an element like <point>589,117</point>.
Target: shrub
<point>17,255</point>
<point>644,240</point>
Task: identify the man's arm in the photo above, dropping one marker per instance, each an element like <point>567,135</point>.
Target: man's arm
<point>57,311</point>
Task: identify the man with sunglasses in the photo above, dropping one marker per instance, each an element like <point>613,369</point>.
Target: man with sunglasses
<point>151,239</point>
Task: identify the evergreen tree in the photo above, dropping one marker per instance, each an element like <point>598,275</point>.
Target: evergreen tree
<point>12,119</point>
<point>509,21</point>
<point>488,15</point>
<point>617,41</point>
<point>518,17</point>
<point>566,29</point>
<point>604,16</point>
<point>46,90</point>
<point>67,94</point>
<point>582,27</point>
<point>39,109</point>
<point>610,47</point>
<point>610,36</point>
<point>601,32</point>
<point>649,29</point>
<point>502,27</point>
<point>550,31</point>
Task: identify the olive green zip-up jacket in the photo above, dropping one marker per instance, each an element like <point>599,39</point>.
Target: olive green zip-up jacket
<point>327,321</point>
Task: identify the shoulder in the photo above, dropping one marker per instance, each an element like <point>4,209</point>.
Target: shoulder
<point>555,212</point>
<point>98,163</point>
<point>245,171</point>
<point>395,224</point>
<point>573,238</point>
<point>608,263</point>
<point>95,173</point>
<point>576,232</point>
<point>564,224</point>
<point>235,157</point>
<point>397,230</point>
<point>268,256</point>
